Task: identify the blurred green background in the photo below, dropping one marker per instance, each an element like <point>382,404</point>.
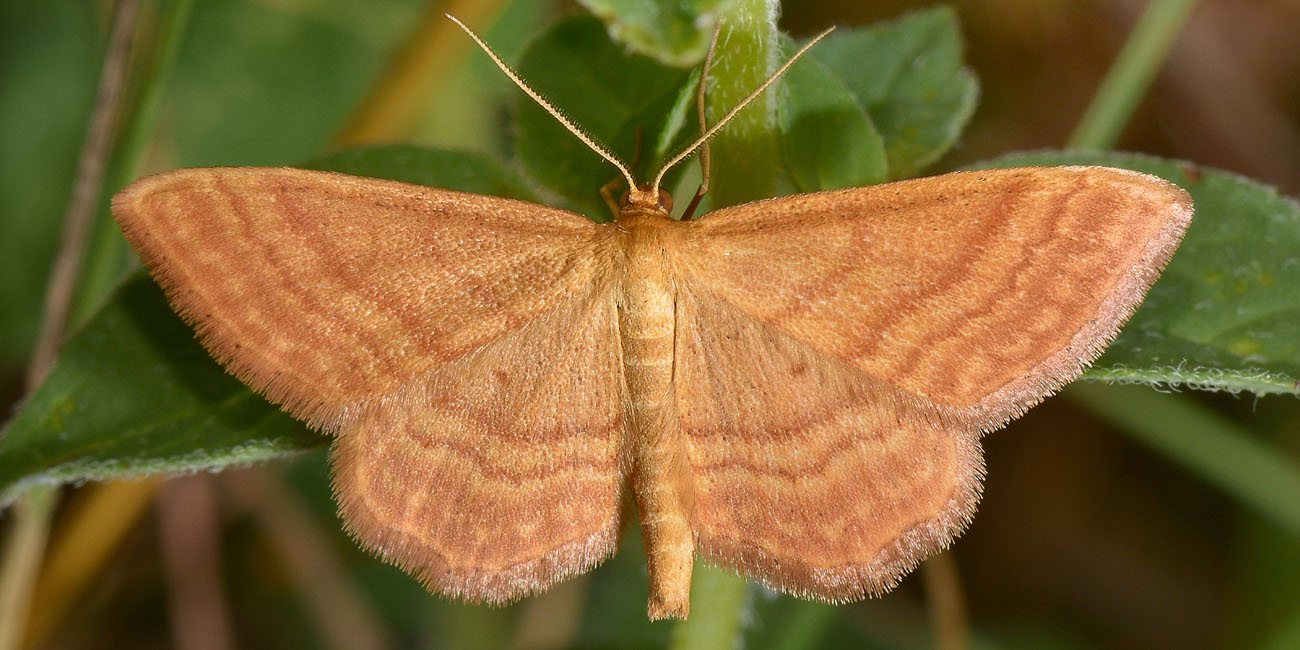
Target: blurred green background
<point>1084,539</point>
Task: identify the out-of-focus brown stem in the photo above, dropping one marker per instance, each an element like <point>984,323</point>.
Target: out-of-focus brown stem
<point>947,605</point>
<point>80,211</point>
<point>343,615</point>
<point>24,549</point>
<point>31,517</point>
<point>187,521</point>
<point>391,108</point>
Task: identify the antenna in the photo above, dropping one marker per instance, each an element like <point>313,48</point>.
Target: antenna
<point>605,153</point>
<point>548,107</point>
<point>654,188</point>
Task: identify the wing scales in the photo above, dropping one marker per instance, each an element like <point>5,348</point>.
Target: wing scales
<point>840,352</point>
<point>979,291</point>
<point>811,475</point>
<point>463,348</point>
<point>501,472</point>
<point>323,291</point>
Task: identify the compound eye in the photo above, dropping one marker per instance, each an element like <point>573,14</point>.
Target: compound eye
<point>665,201</point>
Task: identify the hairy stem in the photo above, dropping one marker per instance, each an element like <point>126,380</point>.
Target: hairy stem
<point>718,611</point>
<point>745,161</point>
<point>746,156</point>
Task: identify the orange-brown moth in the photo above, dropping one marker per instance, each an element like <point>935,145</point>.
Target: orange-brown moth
<point>795,388</point>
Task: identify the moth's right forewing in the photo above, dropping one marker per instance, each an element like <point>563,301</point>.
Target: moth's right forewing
<point>326,292</point>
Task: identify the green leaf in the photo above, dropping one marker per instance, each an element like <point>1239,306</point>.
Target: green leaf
<point>608,93</point>
<point>263,83</point>
<point>134,393</point>
<point>674,32</point>
<point>909,77</point>
<point>1225,315</point>
<point>828,139</point>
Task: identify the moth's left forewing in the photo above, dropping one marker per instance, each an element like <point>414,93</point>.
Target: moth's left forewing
<point>1122,228</point>
<point>980,292</point>
<point>500,473</point>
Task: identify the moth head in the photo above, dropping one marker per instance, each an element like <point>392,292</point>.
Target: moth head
<point>647,197</point>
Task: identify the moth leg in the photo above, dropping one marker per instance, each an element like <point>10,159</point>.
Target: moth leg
<point>699,112</point>
<point>607,190</point>
<point>607,193</point>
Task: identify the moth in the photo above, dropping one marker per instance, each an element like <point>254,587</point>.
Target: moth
<point>792,388</point>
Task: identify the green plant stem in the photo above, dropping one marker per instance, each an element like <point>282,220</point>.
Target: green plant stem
<point>1213,447</point>
<point>1287,637</point>
<point>745,160</point>
<point>718,602</point>
<point>746,153</point>
<point>804,627</point>
<point>1129,77</point>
